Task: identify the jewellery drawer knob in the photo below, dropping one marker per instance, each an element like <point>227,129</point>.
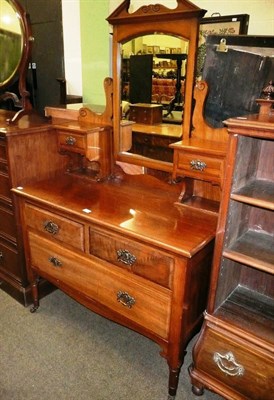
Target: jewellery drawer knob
<point>125,257</point>
<point>51,227</point>
<point>125,299</point>
<point>197,165</point>
<point>55,262</point>
<point>228,364</point>
<point>70,140</point>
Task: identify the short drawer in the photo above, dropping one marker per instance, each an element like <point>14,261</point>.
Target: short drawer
<point>121,292</point>
<point>55,226</point>
<point>5,192</point>
<point>202,167</point>
<point>237,364</point>
<point>139,259</point>
<point>10,265</point>
<point>7,222</point>
<point>3,154</point>
<point>71,141</point>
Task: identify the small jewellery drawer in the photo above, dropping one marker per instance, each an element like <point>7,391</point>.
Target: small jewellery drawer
<point>139,259</point>
<point>71,141</point>
<point>56,227</point>
<point>237,364</point>
<point>202,167</point>
<point>130,296</point>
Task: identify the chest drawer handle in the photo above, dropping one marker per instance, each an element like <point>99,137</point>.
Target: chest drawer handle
<point>70,140</point>
<point>228,364</point>
<point>55,262</point>
<point>1,256</point>
<point>125,299</point>
<point>51,227</point>
<point>125,257</point>
<point>197,165</point>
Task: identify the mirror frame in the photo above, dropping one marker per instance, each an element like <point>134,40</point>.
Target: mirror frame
<point>183,22</point>
<point>21,71</point>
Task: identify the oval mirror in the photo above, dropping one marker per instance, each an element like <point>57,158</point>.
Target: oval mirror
<point>10,43</point>
<point>15,47</point>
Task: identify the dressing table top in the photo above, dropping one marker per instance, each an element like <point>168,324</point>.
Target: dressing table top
<point>129,204</point>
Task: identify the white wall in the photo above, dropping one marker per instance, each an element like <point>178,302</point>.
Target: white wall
<point>72,46</point>
<point>261,22</point>
<point>261,12</point>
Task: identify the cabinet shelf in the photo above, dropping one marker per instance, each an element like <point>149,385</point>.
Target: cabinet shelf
<point>254,249</point>
<point>257,309</point>
<point>256,192</point>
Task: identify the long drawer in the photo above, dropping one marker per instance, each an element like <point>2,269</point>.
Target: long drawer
<point>141,301</point>
<point>237,364</point>
<point>56,227</point>
<point>142,260</point>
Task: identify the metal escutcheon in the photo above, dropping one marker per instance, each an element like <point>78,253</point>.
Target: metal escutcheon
<point>70,140</point>
<point>125,257</point>
<point>51,227</point>
<point>55,261</point>
<point>197,165</point>
<point>125,299</point>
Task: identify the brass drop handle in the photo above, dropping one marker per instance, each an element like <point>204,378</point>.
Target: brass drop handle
<point>55,261</point>
<point>51,227</point>
<point>70,140</point>
<point>227,364</point>
<point>125,257</point>
<point>125,299</point>
<point>197,165</point>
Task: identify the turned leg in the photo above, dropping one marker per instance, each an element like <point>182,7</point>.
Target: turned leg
<point>35,296</point>
<point>173,382</point>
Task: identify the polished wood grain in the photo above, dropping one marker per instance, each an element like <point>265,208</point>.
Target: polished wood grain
<point>171,247</point>
<point>28,152</point>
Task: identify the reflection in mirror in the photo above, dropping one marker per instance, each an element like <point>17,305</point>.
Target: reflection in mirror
<point>10,42</point>
<point>15,47</point>
<point>152,92</point>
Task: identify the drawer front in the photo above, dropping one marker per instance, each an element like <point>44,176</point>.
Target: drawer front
<point>139,259</point>
<point>5,192</point>
<point>7,223</point>
<point>3,154</point>
<point>55,227</point>
<point>236,364</point>
<point>9,261</point>
<point>142,302</point>
<point>71,141</point>
<point>201,167</point>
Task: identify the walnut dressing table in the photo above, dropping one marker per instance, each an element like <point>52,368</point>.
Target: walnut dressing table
<point>121,245</point>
